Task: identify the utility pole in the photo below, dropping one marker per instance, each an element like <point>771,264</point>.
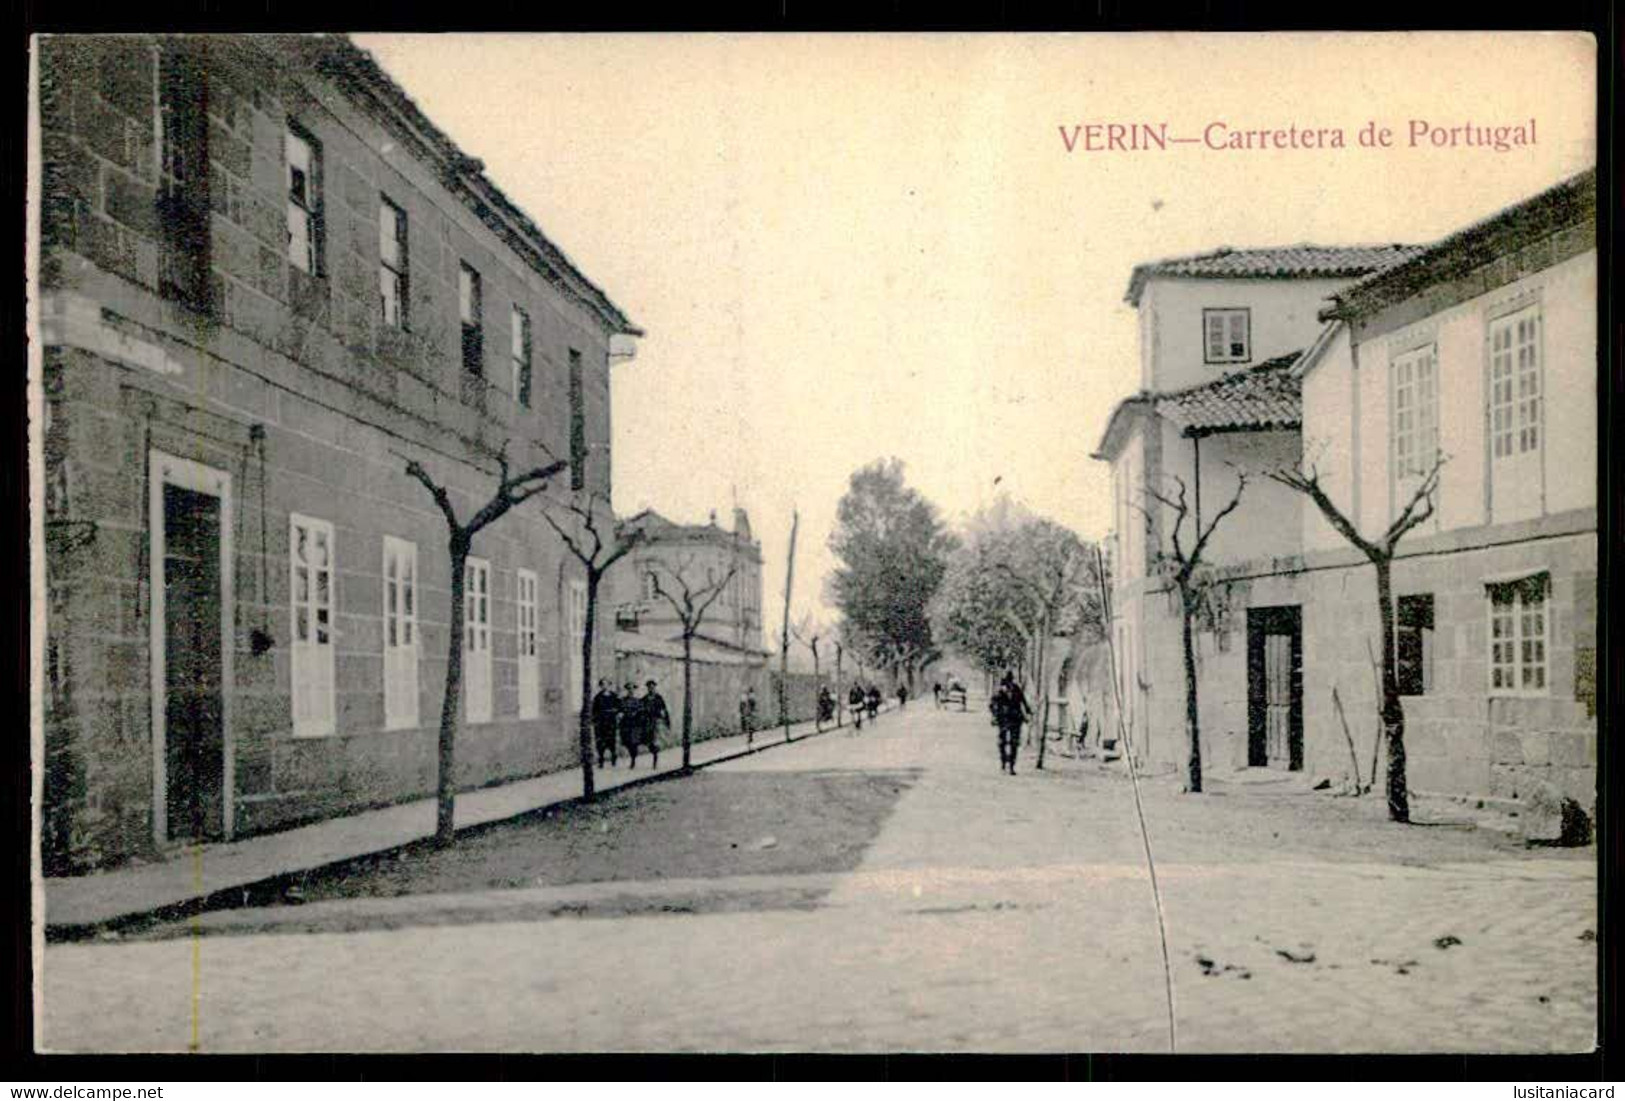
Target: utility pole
<point>784,638</point>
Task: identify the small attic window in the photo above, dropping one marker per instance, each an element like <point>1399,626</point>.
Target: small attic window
<point>1226,336</point>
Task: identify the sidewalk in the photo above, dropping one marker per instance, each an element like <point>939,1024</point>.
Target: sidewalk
<point>195,874</point>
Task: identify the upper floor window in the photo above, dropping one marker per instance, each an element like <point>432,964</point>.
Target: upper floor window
<point>1415,428</point>
<point>392,263</point>
<point>651,585</point>
<point>1227,336</point>
<point>302,159</point>
<point>1518,635</point>
<point>578,424</point>
<point>521,357</point>
<point>468,306</point>
<point>183,176</point>
<point>1515,384</point>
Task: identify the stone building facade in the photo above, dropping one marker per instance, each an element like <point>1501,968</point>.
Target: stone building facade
<point>266,283</point>
<point>1219,334</point>
<point>727,651</point>
<point>1481,347</point>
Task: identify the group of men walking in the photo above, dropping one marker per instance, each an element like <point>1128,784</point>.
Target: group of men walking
<point>636,721</point>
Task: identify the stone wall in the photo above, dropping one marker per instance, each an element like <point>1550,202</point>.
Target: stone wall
<point>1459,739</point>
<point>291,386</point>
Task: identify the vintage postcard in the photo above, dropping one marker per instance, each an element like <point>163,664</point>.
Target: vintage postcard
<point>827,543</point>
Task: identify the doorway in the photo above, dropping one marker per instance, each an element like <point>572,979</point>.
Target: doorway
<point>1275,687</point>
<point>190,516</point>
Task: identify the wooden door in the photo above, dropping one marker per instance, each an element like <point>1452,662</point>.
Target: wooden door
<point>1275,687</point>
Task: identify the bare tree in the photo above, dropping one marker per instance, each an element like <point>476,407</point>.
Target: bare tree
<point>1182,568</point>
<point>1050,566</point>
<point>584,539</point>
<point>511,490</point>
<point>689,602</point>
<point>1380,553</point>
<point>808,632</point>
<point>840,698</point>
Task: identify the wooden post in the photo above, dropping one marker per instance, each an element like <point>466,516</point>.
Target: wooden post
<point>784,639</point>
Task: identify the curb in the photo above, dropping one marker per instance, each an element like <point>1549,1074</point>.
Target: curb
<point>268,888</point>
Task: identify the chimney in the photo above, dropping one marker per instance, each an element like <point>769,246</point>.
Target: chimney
<point>741,524</point>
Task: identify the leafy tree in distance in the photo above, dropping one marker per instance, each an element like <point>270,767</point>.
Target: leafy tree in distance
<point>893,552</point>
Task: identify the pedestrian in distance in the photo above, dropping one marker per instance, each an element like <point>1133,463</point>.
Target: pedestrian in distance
<point>873,700</point>
<point>630,722</point>
<point>656,718</point>
<point>936,693</point>
<point>1010,712</point>
<point>857,701</point>
<point>606,709</point>
<point>747,715</point>
<point>826,705</point>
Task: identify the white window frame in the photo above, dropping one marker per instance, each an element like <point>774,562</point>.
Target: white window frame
<point>1517,400</point>
<point>477,690</point>
<point>392,269</point>
<point>526,619</point>
<point>304,200</point>
<point>401,639</point>
<point>1413,420</point>
<point>1232,321</point>
<point>1516,635</point>
<point>312,678</point>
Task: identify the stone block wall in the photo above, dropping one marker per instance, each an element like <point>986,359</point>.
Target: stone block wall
<point>1460,740</point>
<point>291,385</point>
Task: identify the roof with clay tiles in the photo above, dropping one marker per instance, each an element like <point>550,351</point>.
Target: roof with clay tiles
<point>1301,261</point>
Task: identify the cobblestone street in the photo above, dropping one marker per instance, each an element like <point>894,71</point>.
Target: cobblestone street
<point>988,913</point>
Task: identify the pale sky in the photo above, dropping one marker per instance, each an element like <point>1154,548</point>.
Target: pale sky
<point>848,247</point>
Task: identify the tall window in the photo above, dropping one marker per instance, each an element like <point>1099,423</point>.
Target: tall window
<point>1226,336</point>
<point>392,263</point>
<point>400,633</point>
<point>578,631</point>
<point>530,688</point>
<point>183,176</point>
<point>310,584</point>
<point>303,170</point>
<point>1415,430</point>
<point>1518,632</point>
<point>477,639</point>
<point>1515,416</point>
<point>521,357</point>
<point>1515,408</point>
<point>651,584</point>
<point>468,305</point>
<point>1413,643</point>
<point>1414,425</point>
<point>578,425</point>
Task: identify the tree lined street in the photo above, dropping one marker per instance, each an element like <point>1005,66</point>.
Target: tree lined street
<point>889,890</point>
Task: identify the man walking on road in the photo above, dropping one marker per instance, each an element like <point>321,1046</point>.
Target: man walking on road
<point>747,715</point>
<point>858,701</point>
<point>606,708</point>
<point>652,716</point>
<point>1010,711</point>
